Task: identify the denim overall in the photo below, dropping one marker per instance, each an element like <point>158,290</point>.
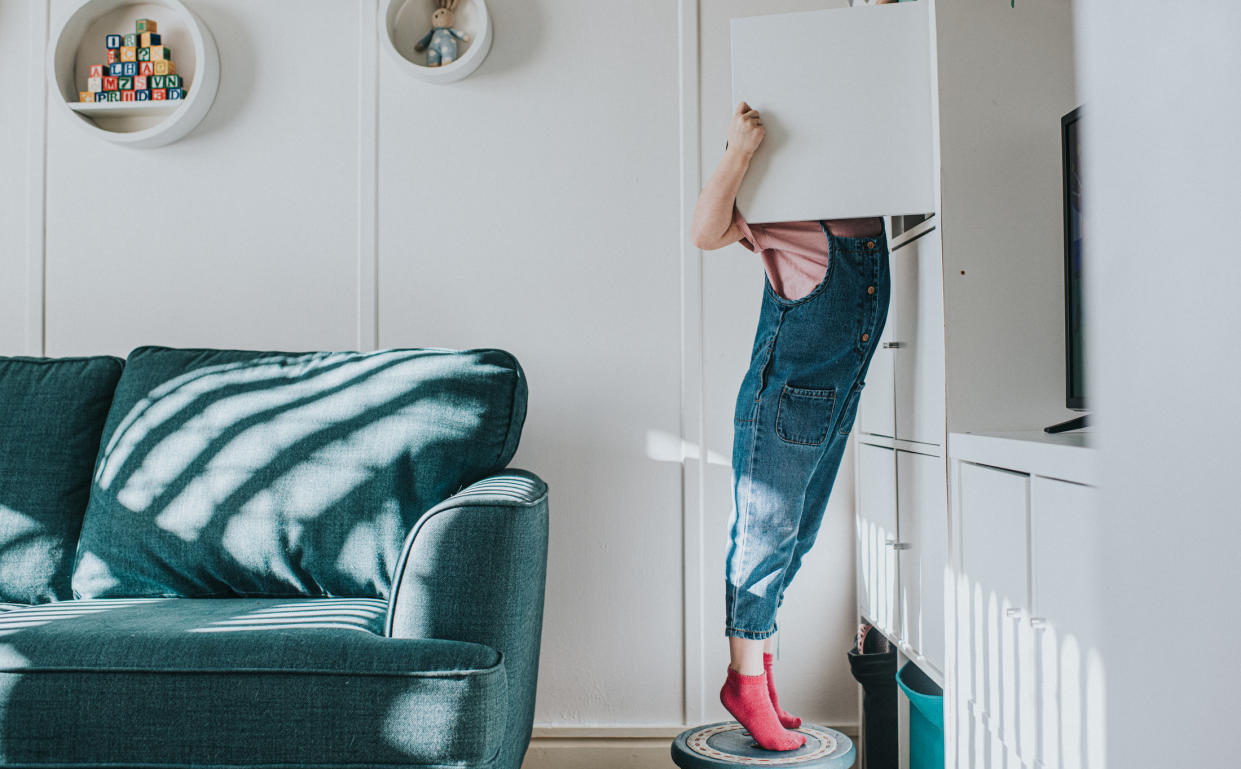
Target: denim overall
<point>794,412</point>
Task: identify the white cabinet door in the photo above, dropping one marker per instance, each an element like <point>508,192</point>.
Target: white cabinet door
<point>918,332</point>
<point>1065,533</point>
<point>877,405</point>
<point>922,519</point>
<point>993,507</point>
<point>818,162</point>
<point>876,534</point>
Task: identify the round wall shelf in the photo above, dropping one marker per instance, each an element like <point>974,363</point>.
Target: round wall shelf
<point>405,22</point>
<point>80,43</point>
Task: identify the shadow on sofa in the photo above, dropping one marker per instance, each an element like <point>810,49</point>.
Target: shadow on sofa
<point>286,559</point>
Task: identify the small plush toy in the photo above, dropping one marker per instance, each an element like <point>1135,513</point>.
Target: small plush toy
<point>441,42</point>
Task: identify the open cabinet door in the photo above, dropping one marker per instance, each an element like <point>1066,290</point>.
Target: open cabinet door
<point>846,96</point>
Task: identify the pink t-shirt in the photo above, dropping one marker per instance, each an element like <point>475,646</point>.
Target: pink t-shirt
<point>795,253</point>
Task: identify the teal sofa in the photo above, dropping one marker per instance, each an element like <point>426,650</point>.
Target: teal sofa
<point>222,558</point>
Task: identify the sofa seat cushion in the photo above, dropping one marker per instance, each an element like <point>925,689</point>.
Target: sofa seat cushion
<point>240,682</point>
<point>52,412</point>
<point>227,473</point>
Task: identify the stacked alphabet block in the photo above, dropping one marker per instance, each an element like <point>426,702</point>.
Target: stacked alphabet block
<point>138,68</point>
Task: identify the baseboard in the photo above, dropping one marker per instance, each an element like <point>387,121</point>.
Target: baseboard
<point>611,747</point>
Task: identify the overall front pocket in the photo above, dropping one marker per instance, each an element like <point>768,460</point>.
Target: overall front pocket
<point>805,415</point>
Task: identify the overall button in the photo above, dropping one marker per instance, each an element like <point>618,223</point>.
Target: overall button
<point>870,244</point>
<point>865,337</point>
<point>870,289</point>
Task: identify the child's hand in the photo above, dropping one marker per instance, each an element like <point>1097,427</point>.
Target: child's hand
<point>746,131</point>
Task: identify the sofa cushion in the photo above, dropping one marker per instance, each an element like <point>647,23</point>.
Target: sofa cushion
<point>230,473</point>
<point>52,412</point>
<point>231,682</point>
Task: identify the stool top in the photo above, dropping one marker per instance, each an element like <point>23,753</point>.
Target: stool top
<point>727,744</point>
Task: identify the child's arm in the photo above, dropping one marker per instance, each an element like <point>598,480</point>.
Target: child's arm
<point>713,225</point>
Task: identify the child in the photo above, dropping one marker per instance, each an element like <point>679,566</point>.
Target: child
<point>824,305</point>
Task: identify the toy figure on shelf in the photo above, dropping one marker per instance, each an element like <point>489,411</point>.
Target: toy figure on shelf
<point>441,42</point>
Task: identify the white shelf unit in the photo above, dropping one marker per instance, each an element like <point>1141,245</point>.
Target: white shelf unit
<point>79,42</point>
<point>403,22</point>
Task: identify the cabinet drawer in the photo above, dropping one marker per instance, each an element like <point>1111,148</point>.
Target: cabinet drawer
<point>917,323</point>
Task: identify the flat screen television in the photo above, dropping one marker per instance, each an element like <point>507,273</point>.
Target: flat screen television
<point>1074,337</point>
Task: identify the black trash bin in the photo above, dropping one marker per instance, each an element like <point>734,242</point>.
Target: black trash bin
<point>874,667</point>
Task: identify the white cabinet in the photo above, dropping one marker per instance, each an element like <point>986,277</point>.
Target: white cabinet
<point>1021,685</point>
<point>922,523</point>
<point>904,394</point>
<point>918,336</point>
<point>876,534</point>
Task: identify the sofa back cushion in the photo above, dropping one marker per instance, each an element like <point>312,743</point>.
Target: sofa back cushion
<point>238,473</point>
<point>52,412</point>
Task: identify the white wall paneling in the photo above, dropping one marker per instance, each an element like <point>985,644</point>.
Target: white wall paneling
<point>541,205</point>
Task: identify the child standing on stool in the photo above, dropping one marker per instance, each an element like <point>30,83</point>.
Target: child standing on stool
<point>825,302</point>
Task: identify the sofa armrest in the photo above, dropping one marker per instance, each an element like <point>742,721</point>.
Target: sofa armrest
<point>474,568</point>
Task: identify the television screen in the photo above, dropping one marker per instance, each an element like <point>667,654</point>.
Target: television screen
<point>1074,338</point>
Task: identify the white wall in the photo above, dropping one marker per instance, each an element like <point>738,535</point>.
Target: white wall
<point>536,206</point>
<point>1162,164</point>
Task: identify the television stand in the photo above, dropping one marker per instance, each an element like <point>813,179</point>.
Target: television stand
<point>1076,423</point>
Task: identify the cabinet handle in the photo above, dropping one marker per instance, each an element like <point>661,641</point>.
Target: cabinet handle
<point>902,546</point>
<point>1038,623</point>
<point>1012,613</point>
<point>893,345</point>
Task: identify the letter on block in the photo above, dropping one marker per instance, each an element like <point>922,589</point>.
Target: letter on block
<point>117,69</point>
<point>101,96</point>
<point>124,84</point>
<point>112,41</point>
<point>114,55</point>
<point>146,25</point>
<point>129,68</point>
<point>146,68</point>
<point>158,81</point>
<point>129,53</point>
<point>164,67</point>
<point>114,95</point>
<point>127,96</point>
<point>109,83</point>
<point>97,70</point>
<point>143,95</point>
<point>174,94</point>
<point>159,94</point>
<point>160,53</point>
<point>149,39</point>
<point>172,81</point>
<point>130,40</point>
<point>140,83</point>
<point>144,54</point>
<point>86,95</point>
<point>94,84</point>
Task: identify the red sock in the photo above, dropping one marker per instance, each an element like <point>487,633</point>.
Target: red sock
<point>747,699</point>
<point>787,720</point>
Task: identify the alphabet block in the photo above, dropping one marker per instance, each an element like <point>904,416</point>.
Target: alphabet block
<point>127,96</point>
<point>146,25</point>
<point>114,95</point>
<point>109,83</point>
<point>172,81</point>
<point>144,54</point>
<point>148,39</point>
<point>97,70</point>
<point>158,81</point>
<point>160,53</point>
<point>101,96</point>
<point>117,69</point>
<point>94,84</point>
<point>114,55</point>
<point>124,84</point>
<point>143,95</point>
<point>130,40</point>
<point>175,93</point>
<point>129,53</point>
<point>164,67</point>
<point>86,96</point>
<point>146,68</point>
<point>129,68</point>
<point>112,41</point>
<point>140,83</point>
<point>159,94</point>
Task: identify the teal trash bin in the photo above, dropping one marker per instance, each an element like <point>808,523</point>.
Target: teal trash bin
<point>926,718</point>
